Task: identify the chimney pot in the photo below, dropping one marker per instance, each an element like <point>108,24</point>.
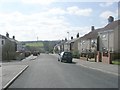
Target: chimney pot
<point>78,35</point>
<point>71,38</point>
<point>110,19</point>
<point>92,28</point>
<point>7,34</point>
<point>65,39</point>
<point>13,37</point>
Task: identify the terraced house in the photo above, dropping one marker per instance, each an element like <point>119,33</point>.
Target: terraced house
<point>101,45</point>
<point>109,41</point>
<point>0,47</point>
<point>8,47</point>
<point>88,43</point>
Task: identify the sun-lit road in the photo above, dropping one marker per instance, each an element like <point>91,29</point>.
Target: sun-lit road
<point>47,72</point>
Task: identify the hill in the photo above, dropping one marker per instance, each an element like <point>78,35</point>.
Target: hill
<point>41,46</point>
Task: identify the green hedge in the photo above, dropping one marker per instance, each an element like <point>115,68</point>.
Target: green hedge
<point>76,54</point>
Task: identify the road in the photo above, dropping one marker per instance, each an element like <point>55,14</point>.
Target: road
<point>47,72</point>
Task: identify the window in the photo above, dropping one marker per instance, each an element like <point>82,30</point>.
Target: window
<point>2,42</point>
<point>104,37</point>
<point>92,41</point>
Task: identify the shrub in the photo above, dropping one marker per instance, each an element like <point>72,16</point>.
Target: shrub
<point>76,54</point>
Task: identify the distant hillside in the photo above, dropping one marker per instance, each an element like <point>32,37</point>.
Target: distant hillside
<point>35,44</point>
<point>42,46</point>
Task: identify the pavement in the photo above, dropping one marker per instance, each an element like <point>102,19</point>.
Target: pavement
<point>31,57</point>
<point>11,70</point>
<point>103,67</point>
<point>100,66</point>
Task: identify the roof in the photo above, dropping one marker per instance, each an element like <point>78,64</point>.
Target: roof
<point>73,40</point>
<point>94,34</point>
<point>60,43</point>
<point>112,25</point>
<point>13,40</point>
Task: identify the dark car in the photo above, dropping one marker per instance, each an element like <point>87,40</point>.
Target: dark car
<point>65,57</point>
<point>36,53</point>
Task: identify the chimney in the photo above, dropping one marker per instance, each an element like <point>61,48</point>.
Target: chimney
<point>110,19</point>
<point>92,28</point>
<point>14,37</point>
<point>65,39</point>
<point>71,38</point>
<point>7,34</point>
<point>77,35</point>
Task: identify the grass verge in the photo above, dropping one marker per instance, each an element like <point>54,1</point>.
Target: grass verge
<point>116,62</point>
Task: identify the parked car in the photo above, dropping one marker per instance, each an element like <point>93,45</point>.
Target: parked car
<point>27,53</point>
<point>36,53</point>
<point>65,57</point>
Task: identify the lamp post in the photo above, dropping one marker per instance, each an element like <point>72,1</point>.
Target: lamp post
<point>68,35</point>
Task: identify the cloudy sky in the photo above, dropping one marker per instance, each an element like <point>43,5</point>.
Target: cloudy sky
<point>52,19</point>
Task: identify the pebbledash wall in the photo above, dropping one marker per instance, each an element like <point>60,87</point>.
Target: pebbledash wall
<point>117,39</point>
<point>109,45</point>
<point>0,48</point>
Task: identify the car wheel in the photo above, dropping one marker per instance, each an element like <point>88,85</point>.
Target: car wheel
<point>71,61</point>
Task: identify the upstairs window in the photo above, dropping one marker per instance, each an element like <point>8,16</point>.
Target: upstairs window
<point>2,42</point>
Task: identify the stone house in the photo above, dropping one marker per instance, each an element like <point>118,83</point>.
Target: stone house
<point>9,47</point>
<point>0,47</point>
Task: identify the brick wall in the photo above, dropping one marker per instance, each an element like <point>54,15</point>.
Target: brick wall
<point>106,59</point>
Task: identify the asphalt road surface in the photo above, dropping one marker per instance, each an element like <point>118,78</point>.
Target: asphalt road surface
<point>47,72</point>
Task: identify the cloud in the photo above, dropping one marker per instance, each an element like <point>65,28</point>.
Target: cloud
<point>47,2</point>
<point>28,27</point>
<point>56,11</point>
<point>41,2</point>
<point>74,10</point>
<point>50,24</point>
<point>106,4</point>
<point>80,12</point>
<point>106,14</point>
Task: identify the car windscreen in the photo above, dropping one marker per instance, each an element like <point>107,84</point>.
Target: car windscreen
<point>68,54</point>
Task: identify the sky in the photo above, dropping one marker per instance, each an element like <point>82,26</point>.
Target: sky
<point>31,20</point>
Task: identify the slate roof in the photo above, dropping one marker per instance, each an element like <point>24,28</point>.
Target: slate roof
<point>73,40</point>
<point>94,34</point>
<point>13,40</point>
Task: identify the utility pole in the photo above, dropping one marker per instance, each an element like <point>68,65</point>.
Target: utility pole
<point>37,38</point>
<point>68,35</point>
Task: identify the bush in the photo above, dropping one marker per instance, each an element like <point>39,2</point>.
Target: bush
<point>76,54</point>
<point>27,53</point>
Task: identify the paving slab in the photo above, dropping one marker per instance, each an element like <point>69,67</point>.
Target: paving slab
<point>10,73</point>
<point>107,68</point>
<point>31,57</point>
